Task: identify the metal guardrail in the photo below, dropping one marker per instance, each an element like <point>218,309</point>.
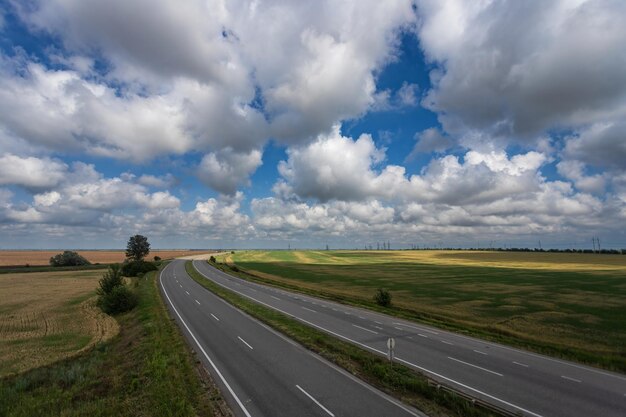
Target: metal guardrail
<point>475,401</point>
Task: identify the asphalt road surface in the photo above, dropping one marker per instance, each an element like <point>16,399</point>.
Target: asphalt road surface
<point>518,381</point>
<point>260,372</point>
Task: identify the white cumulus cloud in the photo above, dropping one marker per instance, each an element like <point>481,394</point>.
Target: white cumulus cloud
<point>31,172</point>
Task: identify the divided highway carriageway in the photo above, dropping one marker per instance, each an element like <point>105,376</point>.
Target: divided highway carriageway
<point>522,382</point>
<point>259,371</point>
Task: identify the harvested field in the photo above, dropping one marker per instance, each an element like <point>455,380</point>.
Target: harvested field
<point>35,257</point>
<point>559,301</point>
<point>48,316</point>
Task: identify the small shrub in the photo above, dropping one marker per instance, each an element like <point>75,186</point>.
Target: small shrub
<point>68,258</point>
<point>119,300</point>
<point>134,268</point>
<point>112,278</point>
<point>113,295</point>
<point>382,297</point>
<point>234,268</point>
<point>212,259</point>
<point>232,252</point>
<point>157,258</point>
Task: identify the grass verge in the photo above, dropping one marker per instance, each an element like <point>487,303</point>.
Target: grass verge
<point>397,380</point>
<point>147,370</point>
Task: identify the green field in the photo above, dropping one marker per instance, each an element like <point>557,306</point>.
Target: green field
<point>572,305</point>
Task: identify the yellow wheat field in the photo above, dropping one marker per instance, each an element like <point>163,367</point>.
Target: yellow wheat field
<point>37,257</point>
<point>48,316</point>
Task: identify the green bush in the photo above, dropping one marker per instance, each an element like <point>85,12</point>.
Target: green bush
<point>382,297</point>
<point>113,295</point>
<point>68,258</point>
<point>134,268</point>
<point>157,258</point>
<point>212,259</point>
<point>112,278</point>
<point>119,300</point>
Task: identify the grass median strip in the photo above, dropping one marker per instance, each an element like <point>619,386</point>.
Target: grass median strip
<point>397,380</point>
<point>146,370</point>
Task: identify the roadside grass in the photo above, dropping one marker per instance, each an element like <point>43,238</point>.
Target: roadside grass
<point>146,370</point>
<point>567,305</point>
<point>397,380</point>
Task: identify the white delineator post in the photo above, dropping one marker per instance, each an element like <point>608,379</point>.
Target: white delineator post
<point>391,344</point>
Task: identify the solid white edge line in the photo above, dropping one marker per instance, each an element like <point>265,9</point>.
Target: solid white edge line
<point>363,328</point>
<point>315,401</point>
<point>522,352</point>
<point>475,366</point>
<point>201,348</point>
<point>246,343</point>
<point>214,316</point>
<point>468,387</point>
<point>380,352</point>
<point>495,345</point>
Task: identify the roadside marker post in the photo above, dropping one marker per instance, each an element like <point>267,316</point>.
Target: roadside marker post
<point>391,344</point>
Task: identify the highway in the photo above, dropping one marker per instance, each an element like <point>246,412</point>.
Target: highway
<point>521,382</point>
<point>259,371</point>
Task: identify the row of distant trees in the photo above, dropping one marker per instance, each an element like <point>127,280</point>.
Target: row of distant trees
<point>603,251</point>
<point>137,249</point>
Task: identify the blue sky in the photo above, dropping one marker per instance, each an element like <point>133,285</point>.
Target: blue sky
<point>267,124</point>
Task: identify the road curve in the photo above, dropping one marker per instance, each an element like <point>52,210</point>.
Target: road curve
<point>259,371</point>
<point>521,382</point>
